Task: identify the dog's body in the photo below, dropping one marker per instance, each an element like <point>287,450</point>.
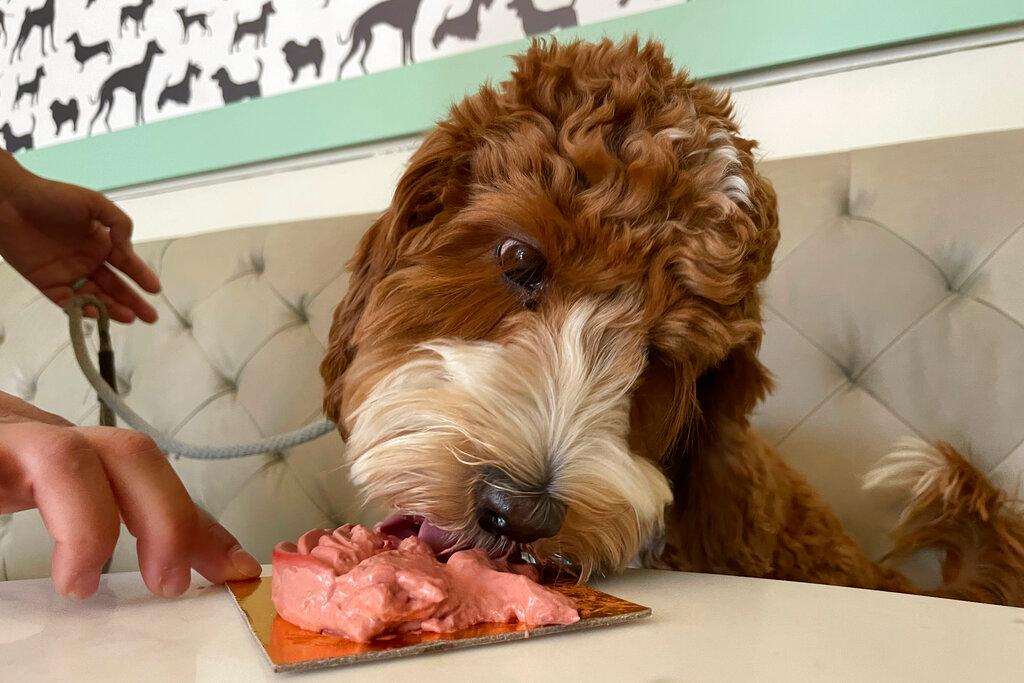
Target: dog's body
<point>550,339</point>
<point>15,143</point>
<point>42,18</point>
<point>299,57</point>
<point>180,92</point>
<point>65,113</point>
<point>544,21</point>
<point>233,92</point>
<point>400,14</point>
<point>257,28</point>
<point>135,14</point>
<point>83,53</point>
<point>199,19</point>
<point>29,88</point>
<point>465,26</point>
<point>131,78</point>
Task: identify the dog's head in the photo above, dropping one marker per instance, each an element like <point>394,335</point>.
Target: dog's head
<point>220,76</point>
<point>519,6</point>
<point>193,70</point>
<point>560,302</point>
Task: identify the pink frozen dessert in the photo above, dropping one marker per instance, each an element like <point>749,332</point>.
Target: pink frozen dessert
<point>360,583</point>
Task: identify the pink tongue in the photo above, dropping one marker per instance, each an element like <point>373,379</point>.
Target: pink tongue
<point>404,526</point>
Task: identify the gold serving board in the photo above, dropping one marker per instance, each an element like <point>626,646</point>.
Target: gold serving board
<point>290,648</point>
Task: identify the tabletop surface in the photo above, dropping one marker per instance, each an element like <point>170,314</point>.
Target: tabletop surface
<point>704,628</point>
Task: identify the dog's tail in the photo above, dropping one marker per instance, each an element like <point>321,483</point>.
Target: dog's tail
<point>32,130</point>
<point>954,508</point>
<point>344,41</point>
<point>259,71</point>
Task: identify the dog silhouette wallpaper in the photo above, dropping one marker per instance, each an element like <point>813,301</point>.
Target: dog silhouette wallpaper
<point>74,68</point>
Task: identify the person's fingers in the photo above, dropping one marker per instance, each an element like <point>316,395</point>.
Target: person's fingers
<point>123,256</point>
<point>119,312</point>
<point>218,556</point>
<point>77,505</point>
<point>119,291</point>
<point>154,504</point>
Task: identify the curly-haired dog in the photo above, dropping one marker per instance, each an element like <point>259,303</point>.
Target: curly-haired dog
<point>551,337</point>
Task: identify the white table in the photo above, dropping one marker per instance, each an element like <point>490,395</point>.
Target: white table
<point>704,628</point>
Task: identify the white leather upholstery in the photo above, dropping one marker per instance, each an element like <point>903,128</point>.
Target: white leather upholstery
<point>895,307</point>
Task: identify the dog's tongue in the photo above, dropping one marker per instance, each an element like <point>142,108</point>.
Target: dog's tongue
<point>404,526</point>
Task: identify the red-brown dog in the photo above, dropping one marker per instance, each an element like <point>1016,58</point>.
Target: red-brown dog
<point>551,337</point>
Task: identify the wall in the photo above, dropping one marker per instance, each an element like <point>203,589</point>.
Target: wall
<point>711,37</point>
<point>938,90</point>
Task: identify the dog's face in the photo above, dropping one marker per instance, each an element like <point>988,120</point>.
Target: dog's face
<point>268,9</point>
<point>194,70</point>
<point>532,329</point>
<point>220,76</point>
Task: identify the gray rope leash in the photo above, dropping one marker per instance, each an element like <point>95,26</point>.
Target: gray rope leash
<point>108,396</point>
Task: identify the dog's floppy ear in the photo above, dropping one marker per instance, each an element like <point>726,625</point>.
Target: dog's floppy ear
<point>427,192</point>
<point>729,391</point>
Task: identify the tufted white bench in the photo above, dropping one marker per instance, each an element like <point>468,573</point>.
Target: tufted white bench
<point>895,308</point>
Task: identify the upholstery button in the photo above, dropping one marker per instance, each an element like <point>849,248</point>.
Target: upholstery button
<point>258,265</point>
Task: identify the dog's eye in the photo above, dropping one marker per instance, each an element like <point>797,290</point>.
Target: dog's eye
<point>521,264</point>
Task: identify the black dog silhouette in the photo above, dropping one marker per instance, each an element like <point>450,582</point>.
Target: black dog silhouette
<point>400,14</point>
<point>41,18</point>
<point>233,92</point>
<point>64,113</point>
<point>257,28</point>
<point>180,92</point>
<point>83,53</point>
<point>190,20</point>
<point>30,88</point>
<point>299,57</point>
<point>89,3</point>
<point>15,143</point>
<point>136,13</point>
<point>131,78</point>
<point>542,21</point>
<point>464,26</point>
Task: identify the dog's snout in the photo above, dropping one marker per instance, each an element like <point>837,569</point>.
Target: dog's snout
<point>518,516</point>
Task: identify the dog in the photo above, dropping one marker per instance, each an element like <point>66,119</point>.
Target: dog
<point>544,21</point>
<point>464,26</point>
<point>400,14</point>
<point>299,57</point>
<point>257,28</point>
<point>16,143</point>
<point>64,113</point>
<point>131,78</point>
<point>30,88</point>
<point>136,14</point>
<point>550,340</point>
<point>83,53</point>
<point>189,20</point>
<point>41,18</point>
<point>232,92</point>
<point>180,92</point>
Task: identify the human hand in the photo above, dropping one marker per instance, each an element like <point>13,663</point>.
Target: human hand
<point>56,234</point>
<point>85,480</point>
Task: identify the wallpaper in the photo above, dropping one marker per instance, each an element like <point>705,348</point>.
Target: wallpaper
<point>71,68</point>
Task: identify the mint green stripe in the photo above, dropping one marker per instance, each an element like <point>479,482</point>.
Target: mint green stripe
<point>709,37</point>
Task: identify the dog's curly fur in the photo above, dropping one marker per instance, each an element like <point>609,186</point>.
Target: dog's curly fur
<point>621,386</point>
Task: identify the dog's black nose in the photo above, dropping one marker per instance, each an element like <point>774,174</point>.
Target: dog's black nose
<point>523,517</point>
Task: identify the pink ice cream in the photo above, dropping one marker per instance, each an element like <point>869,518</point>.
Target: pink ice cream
<point>360,583</point>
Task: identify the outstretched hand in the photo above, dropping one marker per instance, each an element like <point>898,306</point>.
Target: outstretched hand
<point>57,235</point>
